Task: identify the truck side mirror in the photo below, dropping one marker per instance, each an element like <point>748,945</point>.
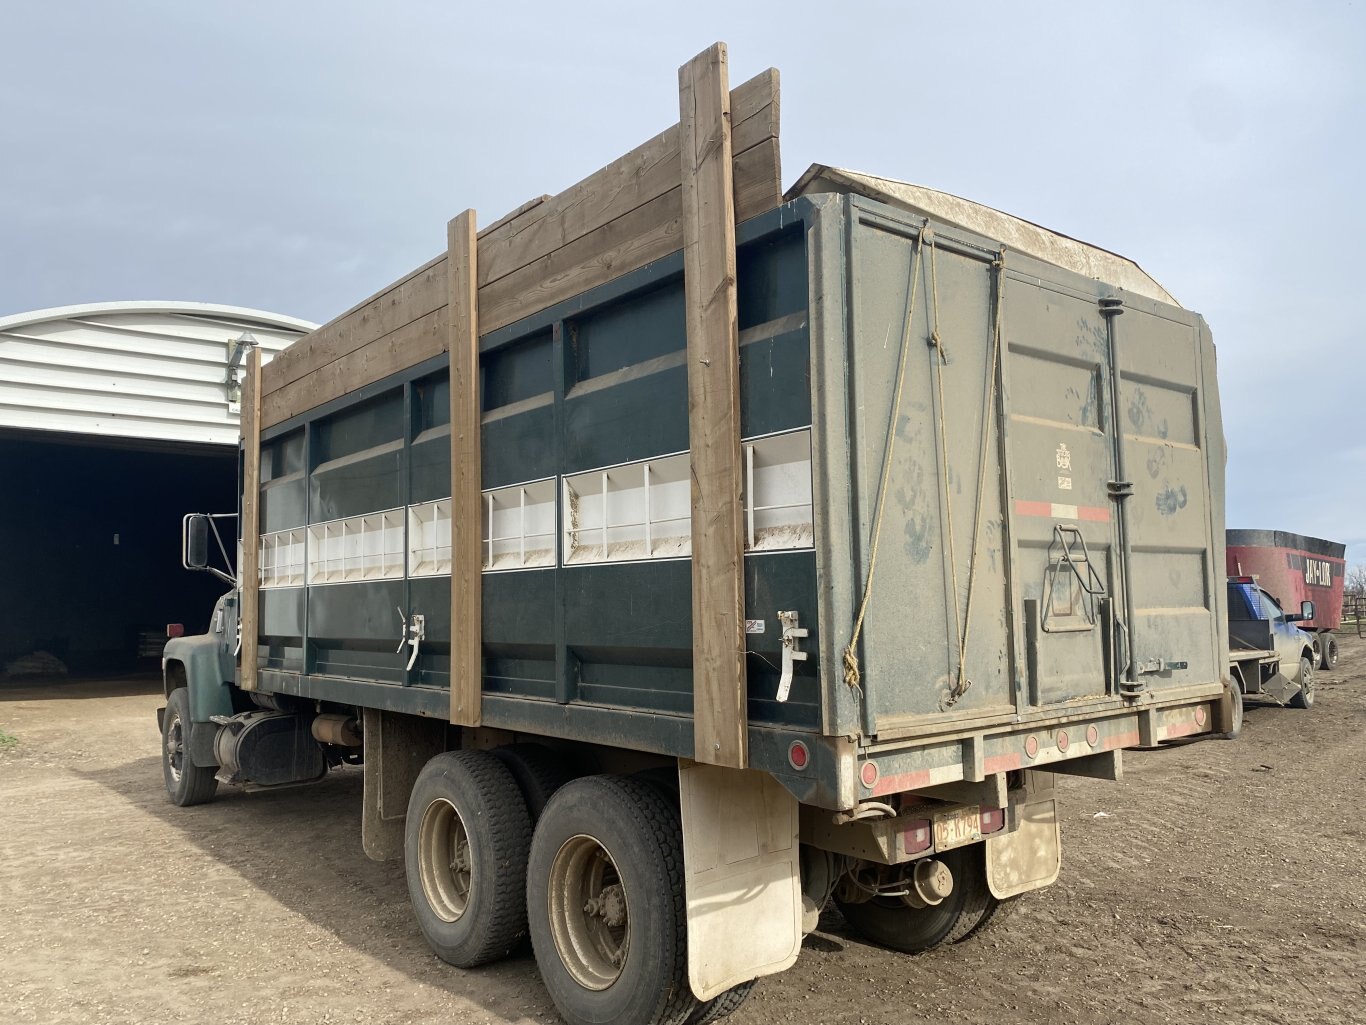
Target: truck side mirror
<point>195,542</point>
<point>1306,610</point>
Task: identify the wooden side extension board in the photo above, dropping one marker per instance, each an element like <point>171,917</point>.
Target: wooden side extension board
<point>619,218</point>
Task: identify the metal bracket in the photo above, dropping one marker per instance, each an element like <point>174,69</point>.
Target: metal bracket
<point>1159,665</point>
<point>791,653</point>
<point>414,633</point>
<point>1066,542</point>
<point>237,352</point>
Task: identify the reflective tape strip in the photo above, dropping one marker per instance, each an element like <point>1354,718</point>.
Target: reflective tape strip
<point>1058,511</point>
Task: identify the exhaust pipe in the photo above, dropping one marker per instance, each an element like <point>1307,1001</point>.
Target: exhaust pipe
<point>339,730</point>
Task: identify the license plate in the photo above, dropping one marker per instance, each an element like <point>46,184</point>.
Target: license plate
<point>956,828</point>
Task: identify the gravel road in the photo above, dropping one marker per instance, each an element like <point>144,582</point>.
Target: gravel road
<point>1219,882</point>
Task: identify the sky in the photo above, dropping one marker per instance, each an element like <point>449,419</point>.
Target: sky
<point>298,156</point>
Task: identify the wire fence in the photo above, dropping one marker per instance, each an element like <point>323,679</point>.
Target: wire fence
<point>1354,613</point>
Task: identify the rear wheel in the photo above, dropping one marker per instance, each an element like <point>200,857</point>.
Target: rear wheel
<point>979,905</point>
<point>891,922</point>
<point>605,904</point>
<point>186,782</point>
<point>539,772</point>
<point>1304,697</point>
<point>1328,652</point>
<point>465,849</point>
<point>722,1006</point>
<point>1235,700</point>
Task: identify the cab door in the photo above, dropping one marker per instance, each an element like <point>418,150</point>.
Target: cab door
<point>1286,637</point>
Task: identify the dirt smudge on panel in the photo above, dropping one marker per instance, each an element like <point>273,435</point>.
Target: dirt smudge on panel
<point>1170,499</point>
<point>1138,409</point>
<point>1157,462</point>
<point>917,524</point>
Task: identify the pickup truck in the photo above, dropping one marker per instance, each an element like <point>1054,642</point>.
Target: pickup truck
<point>1269,656</point>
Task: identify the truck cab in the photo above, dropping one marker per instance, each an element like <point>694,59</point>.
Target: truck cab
<point>1269,655</point>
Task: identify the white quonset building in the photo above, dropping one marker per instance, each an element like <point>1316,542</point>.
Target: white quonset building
<point>116,419</point>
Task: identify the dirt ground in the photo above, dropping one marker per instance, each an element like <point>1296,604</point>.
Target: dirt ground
<point>1219,882</point>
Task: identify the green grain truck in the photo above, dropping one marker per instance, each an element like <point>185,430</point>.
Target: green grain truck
<point>679,557</point>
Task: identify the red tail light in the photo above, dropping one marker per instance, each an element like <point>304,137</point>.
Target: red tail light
<point>917,836</point>
<point>175,629</point>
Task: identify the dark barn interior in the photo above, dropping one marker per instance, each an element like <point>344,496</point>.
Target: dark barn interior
<point>90,567</point>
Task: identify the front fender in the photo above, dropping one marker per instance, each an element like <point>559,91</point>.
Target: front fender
<point>208,669</point>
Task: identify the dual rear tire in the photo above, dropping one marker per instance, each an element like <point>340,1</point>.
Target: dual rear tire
<point>466,841</point>
<point>598,883</point>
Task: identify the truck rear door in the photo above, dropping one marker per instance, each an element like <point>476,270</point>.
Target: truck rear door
<point>1049,509</point>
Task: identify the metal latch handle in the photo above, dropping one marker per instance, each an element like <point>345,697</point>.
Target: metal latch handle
<point>414,633</point>
<point>791,653</point>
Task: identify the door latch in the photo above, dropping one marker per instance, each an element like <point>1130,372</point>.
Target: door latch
<point>414,633</point>
<point>1159,665</point>
<point>792,654</point>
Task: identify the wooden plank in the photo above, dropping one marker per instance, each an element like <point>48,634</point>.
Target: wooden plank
<point>647,172</point>
<point>249,572</point>
<point>718,584</point>
<point>755,110</point>
<point>403,302</point>
<point>620,218</point>
<point>512,215</point>
<point>646,233</point>
<point>467,663</point>
<point>409,345</point>
<point>758,180</point>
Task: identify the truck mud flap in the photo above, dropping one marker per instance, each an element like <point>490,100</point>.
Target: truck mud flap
<point>1030,857</point>
<point>743,879</point>
<point>396,748</point>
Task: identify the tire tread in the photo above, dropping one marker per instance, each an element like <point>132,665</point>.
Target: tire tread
<point>653,823</point>
<point>502,821</point>
<point>198,783</point>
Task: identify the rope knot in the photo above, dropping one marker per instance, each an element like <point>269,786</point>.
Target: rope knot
<point>852,676</point>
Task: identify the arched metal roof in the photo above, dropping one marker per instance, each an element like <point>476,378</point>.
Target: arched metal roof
<point>149,370</point>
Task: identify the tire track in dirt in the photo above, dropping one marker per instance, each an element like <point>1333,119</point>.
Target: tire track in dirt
<point>1218,882</point>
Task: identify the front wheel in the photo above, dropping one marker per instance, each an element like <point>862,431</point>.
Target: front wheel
<point>605,904</point>
<point>186,782</point>
<point>1304,697</point>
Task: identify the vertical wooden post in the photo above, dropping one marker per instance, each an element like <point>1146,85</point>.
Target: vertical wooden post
<point>718,583</point>
<point>249,571</point>
<point>467,664</point>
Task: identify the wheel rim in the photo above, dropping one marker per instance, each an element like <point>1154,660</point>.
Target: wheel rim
<point>1307,681</point>
<point>444,860</point>
<point>175,747</point>
<point>589,913</point>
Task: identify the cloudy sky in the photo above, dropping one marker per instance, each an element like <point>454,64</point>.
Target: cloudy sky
<point>297,156</point>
